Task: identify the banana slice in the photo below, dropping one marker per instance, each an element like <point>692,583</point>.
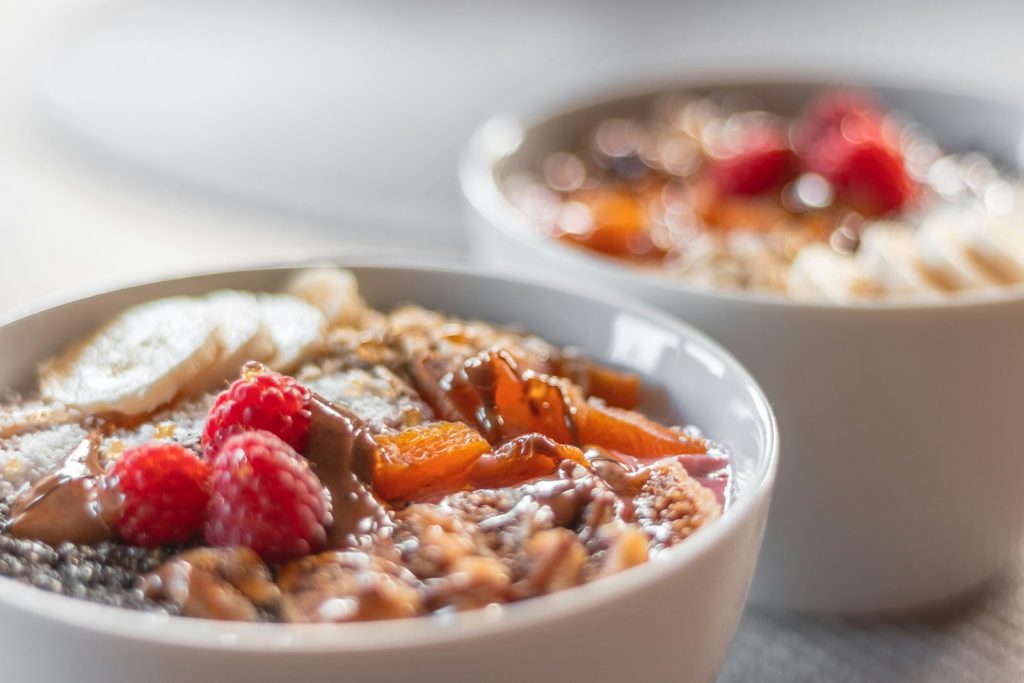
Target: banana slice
<point>137,362</point>
<point>943,249</point>
<point>819,272</point>
<point>997,245</point>
<point>21,418</point>
<point>240,334</point>
<point>295,328</point>
<point>333,290</point>
<point>888,255</point>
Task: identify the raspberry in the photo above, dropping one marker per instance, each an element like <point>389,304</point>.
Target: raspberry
<point>757,160</point>
<point>259,400</point>
<point>829,111</point>
<point>842,138</point>
<point>266,497</point>
<point>868,173</point>
<point>165,489</point>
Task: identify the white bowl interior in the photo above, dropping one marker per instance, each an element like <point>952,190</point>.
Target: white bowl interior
<point>688,379</point>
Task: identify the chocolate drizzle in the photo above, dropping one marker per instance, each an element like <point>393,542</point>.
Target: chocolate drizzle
<point>467,392</point>
<point>72,504</point>
<point>343,452</point>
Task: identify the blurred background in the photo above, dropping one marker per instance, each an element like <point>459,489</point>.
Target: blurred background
<point>143,137</point>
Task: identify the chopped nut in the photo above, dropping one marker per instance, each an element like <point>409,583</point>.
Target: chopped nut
<point>348,586</point>
<point>471,582</point>
<point>555,558</point>
<point>215,583</point>
<point>628,549</point>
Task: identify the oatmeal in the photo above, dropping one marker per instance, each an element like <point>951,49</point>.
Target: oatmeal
<point>845,202</point>
<point>360,465</point>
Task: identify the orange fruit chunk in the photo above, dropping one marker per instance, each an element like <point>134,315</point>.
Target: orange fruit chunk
<point>619,222</point>
<point>532,403</point>
<point>426,460</point>
<point>629,432</point>
<point>615,387</point>
<point>428,371</point>
<point>524,458</point>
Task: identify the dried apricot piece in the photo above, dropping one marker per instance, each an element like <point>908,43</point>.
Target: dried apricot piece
<point>425,460</point>
<point>629,432</point>
<point>618,222</point>
<point>615,387</point>
<point>428,373</point>
<point>532,402</point>
<point>524,458</point>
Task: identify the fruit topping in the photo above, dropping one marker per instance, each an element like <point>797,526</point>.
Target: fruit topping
<point>266,497</point>
<point>755,159</point>
<point>529,402</point>
<point>613,222</point>
<point>296,329</point>
<point>490,392</point>
<point>333,291</point>
<point>844,139</point>
<point>164,490</point>
<point>614,387</point>
<point>137,362</point>
<point>629,432</point>
<point>524,458</point>
<point>429,459</point>
<point>260,399</point>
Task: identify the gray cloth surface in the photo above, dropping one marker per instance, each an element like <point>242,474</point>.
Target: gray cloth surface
<point>980,640</point>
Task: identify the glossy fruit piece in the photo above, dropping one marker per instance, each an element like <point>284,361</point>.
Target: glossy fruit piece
<point>829,111</point>
<point>757,161</point>
<point>847,144</point>
<point>265,496</point>
<point>873,179</point>
<point>164,489</point>
<point>631,433</point>
<point>259,400</point>
<point>533,403</point>
<point>524,458</point>
<point>428,371</point>
<point>618,222</point>
<point>614,387</point>
<point>426,460</point>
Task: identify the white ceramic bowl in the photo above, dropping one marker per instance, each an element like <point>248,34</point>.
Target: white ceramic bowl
<point>671,619</point>
<point>899,485</point>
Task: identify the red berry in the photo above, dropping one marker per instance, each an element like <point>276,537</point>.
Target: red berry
<point>829,111</point>
<point>165,489</point>
<point>842,137</point>
<point>756,160</point>
<point>867,171</point>
<point>259,400</point>
<point>266,497</point>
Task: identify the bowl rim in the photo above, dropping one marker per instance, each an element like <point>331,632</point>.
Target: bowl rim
<point>415,632</point>
<point>503,132</point>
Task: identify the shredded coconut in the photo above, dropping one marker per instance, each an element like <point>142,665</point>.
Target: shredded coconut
<point>26,458</point>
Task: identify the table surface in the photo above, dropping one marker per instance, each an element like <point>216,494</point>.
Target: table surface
<point>143,138</point>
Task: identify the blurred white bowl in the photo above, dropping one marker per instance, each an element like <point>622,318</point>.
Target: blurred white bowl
<point>899,487</point>
<point>671,619</point>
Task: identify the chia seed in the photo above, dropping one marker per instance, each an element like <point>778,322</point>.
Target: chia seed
<point>108,573</point>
